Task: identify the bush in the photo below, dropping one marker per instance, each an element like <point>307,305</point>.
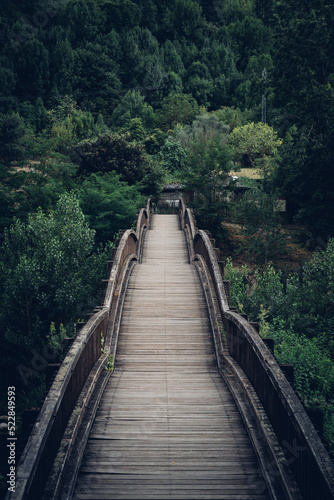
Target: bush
<point>112,152</point>
<point>252,291</point>
<point>11,137</point>
<point>109,204</point>
<point>49,273</point>
<point>311,298</point>
<point>260,221</point>
<point>284,315</point>
<point>313,371</point>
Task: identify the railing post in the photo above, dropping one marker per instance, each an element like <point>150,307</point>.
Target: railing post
<point>288,371</point>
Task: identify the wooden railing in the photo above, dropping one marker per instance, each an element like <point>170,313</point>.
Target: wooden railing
<point>304,452</point>
<point>78,373</point>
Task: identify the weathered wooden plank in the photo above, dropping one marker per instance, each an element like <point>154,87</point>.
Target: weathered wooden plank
<point>103,495</point>
<point>237,484</point>
<point>194,478</point>
<point>137,455</point>
<point>167,427</point>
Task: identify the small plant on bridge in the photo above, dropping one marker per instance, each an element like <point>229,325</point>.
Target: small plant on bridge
<point>109,366</point>
<point>110,360</point>
<point>103,350</point>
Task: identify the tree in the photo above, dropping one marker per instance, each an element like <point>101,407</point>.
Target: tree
<point>149,14</point>
<point>11,137</point>
<point>62,67</point>
<point>133,105</point>
<point>221,60</point>
<point>33,70</point>
<point>313,296</point>
<point>173,155</point>
<point>259,218</point>
<point>233,117</point>
<point>188,19</point>
<point>109,204</point>
<point>83,18</point>
<point>113,45</point>
<point>69,124</point>
<point>181,18</point>
<point>304,92</point>
<point>136,130</point>
<point>133,58</point>
<point>205,176</point>
<point>151,77</point>
<point>229,11</point>
<point>172,83</point>
<point>6,205</point>
<point>34,114</point>
<point>201,89</point>
<point>264,9</point>
<point>255,145</point>
<point>41,188</point>
<point>122,14</point>
<point>142,66</point>
<point>48,274</point>
<point>97,84</point>
<point>7,84</point>
<point>206,169</point>
<point>177,108</point>
<point>302,55</point>
<point>204,128</point>
<point>256,85</point>
<point>113,152</point>
<point>154,141</point>
<point>249,37</point>
<point>172,59</point>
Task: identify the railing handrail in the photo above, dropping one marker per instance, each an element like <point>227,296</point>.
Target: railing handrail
<point>127,245</point>
<point>310,462</point>
<point>40,450</point>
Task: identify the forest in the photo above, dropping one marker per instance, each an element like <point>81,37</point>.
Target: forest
<point>103,102</point>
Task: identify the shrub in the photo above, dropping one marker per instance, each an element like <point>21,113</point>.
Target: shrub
<point>49,273</point>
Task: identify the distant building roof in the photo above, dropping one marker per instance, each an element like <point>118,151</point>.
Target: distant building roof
<point>173,186</point>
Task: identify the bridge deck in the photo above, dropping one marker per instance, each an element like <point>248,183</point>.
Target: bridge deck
<point>167,426</point>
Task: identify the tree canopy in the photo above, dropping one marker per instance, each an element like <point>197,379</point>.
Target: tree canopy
<point>102,102</point>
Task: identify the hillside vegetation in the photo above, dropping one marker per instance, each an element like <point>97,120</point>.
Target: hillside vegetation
<point>104,101</point>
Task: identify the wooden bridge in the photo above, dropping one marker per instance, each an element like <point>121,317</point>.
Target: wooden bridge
<point>196,406</point>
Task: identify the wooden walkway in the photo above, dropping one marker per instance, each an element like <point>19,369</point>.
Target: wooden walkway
<point>167,426</point>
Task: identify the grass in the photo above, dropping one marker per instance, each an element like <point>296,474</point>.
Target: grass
<point>251,173</point>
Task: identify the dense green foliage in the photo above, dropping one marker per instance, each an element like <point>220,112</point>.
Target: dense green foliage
<point>299,317</point>
<point>256,145</point>
<point>206,172</point>
<point>48,273</point>
<point>102,101</point>
<point>109,204</point>
<point>260,222</point>
<point>143,65</point>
